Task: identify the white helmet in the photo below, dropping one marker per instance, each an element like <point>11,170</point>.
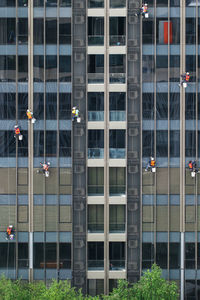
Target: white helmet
<point>11,226</point>
<point>187,73</point>
<point>152,158</point>
<point>146,4</point>
<point>16,126</point>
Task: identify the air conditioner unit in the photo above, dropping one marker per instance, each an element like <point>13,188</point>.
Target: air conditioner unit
<point>79,206</point>
<point>132,266</point>
<point>133,57</point>
<point>79,57</point>
<point>79,80</point>
<point>133,95</point>
<point>79,169</point>
<point>133,169</point>
<point>79,155</point>
<point>133,192</point>
<point>79,20</point>
<point>79,191</point>
<point>78,265</point>
<point>133,131</point>
<point>78,228</point>
<point>133,20</point>
<point>78,280</point>
<point>132,229</point>
<point>133,118</point>
<point>79,244</point>
<point>134,4</point>
<point>78,94</point>
<point>133,206</point>
<point>133,43</point>
<point>133,244</point>
<point>133,80</point>
<point>132,154</point>
<point>78,4</point>
<point>78,131</point>
<point>79,43</point>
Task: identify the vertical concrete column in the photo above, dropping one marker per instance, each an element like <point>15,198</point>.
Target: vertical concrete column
<point>30,135</point>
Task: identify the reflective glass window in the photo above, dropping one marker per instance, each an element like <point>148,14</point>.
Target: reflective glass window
<point>65,143</point>
<point>147,255</point>
<point>161,143</point>
<point>189,255</point>
<point>174,255</point>
<point>7,106</point>
<point>51,31</point>
<point>65,30</point>
<point>38,30</point>
<point>148,106</point>
<point>7,31</point>
<point>148,143</point>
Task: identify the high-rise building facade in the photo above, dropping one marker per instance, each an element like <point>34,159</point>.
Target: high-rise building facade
<point>100,216</point>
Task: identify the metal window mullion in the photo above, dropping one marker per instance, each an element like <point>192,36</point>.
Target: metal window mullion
<point>154,128</point>
<point>141,144</point>
<point>16,95</point>
<point>168,167</point>
<point>196,181</point>
<point>44,179</point>
<point>58,145</point>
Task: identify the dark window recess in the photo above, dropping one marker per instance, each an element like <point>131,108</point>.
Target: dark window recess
<point>23,68</point>
<point>23,31</point>
<point>51,106</point>
<point>148,143</point>
<point>161,255</point>
<point>95,138</point>
<point>8,146</point>
<point>38,106</point>
<point>65,30</point>
<point>65,143</point>
<point>95,181</point>
<point>7,106</point>
<point>38,66</point>
<point>95,218</point>
<point>147,255</point>
<point>95,63</point>
<point>190,31</point>
<point>38,143</point>
<point>174,255</point>
<point>51,31</point>
<point>189,255</point>
<point>7,255</point>
<point>7,68</point>
<point>190,106</point>
<point>65,3</point>
<point>65,68</point>
<point>95,255</point>
<point>38,31</point>
<point>190,143</point>
<point>51,68</point>
<point>161,143</point>
<point>117,181</point>
<point>148,106</point>
<point>23,3</point>
<point>117,63</point>
<point>174,106</point>
<point>23,145</point>
<point>9,3</point>
<point>117,255</point>
<point>23,261</point>
<point>117,31</point>
<point>51,143</point>
<point>65,255</point>
<point>161,106</point>
<point>22,105</point>
<point>65,106</point>
<point>8,30</point>
<point>95,101</point>
<point>38,3</point>
<point>117,101</point>
<point>174,143</point>
<point>117,138</point>
<point>148,32</point>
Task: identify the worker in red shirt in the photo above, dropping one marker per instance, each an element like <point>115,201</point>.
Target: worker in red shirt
<point>10,232</point>
<point>18,134</point>
<point>143,11</point>
<point>44,168</point>
<point>185,78</point>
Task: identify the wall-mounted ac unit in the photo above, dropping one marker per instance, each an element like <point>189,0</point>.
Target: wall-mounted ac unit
<point>79,244</point>
<point>133,169</point>
<point>133,192</point>
<point>133,43</point>
<point>79,20</point>
<point>133,154</point>
<point>79,43</point>
<point>133,20</point>
<point>79,280</point>
<point>78,57</point>
<point>79,192</point>
<point>133,206</point>
<point>79,4</point>
<point>133,244</point>
<point>78,94</point>
<point>79,80</point>
<point>79,131</point>
<point>79,206</point>
<point>79,169</point>
<point>133,95</point>
<point>78,228</point>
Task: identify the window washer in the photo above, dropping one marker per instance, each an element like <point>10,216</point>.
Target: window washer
<point>192,165</point>
<point>30,116</point>
<point>10,232</point>
<point>151,166</point>
<point>45,168</point>
<point>143,11</point>
<point>18,134</point>
<point>76,114</point>
<point>185,79</point>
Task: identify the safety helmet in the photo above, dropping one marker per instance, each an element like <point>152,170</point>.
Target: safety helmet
<point>16,126</point>
<point>28,110</point>
<point>11,226</point>
<point>145,4</point>
<point>187,73</point>
<point>152,158</point>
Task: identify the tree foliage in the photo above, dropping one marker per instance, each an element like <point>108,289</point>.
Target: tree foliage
<point>150,287</point>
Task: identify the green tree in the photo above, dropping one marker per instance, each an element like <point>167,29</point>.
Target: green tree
<point>151,286</point>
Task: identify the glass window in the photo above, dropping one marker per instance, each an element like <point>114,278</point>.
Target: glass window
<point>4,3</point>
<point>51,143</point>
<point>95,3</point>
<point>51,30</point>
<point>23,3</point>
<point>65,143</point>
<point>148,68</point>
<point>7,106</point>
<point>65,68</point>
<point>22,30</point>
<point>95,106</point>
<point>117,106</point>
<point>148,32</point>
<point>117,63</point>
<point>95,255</point>
<point>96,63</point>
<point>190,143</point>
<point>117,140</point>
<point>23,261</point>
<point>161,255</point>
<point>174,106</point>
<point>147,255</point>
<point>65,255</point>
<point>117,181</point>
<point>117,31</point>
<point>22,105</point>
<point>37,3</point>
<point>51,68</point>
<point>95,30</point>
<point>190,31</point>
<point>38,255</point>
<point>8,148</point>
<point>23,145</point>
<point>190,106</point>
<point>65,3</point>
<point>95,181</point>
<point>148,106</point>
<point>148,143</point>
<point>117,255</point>
<point>65,30</point>
<point>7,30</point>
<point>38,67</point>
<point>7,255</point>
<point>161,143</point>
<point>38,143</point>
<point>161,106</point>
<point>7,68</point>
<point>38,31</point>
<point>162,27</point>
<point>22,68</point>
<point>95,138</point>
<point>38,105</point>
<point>174,143</point>
<point>51,106</point>
<point>174,255</point>
<point>95,218</point>
<point>161,68</point>
<point>50,255</point>
<point>65,106</point>
<point>191,64</point>
<point>117,218</point>
<point>95,287</point>
<point>189,255</point>
<point>117,3</point>
<point>51,3</point>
